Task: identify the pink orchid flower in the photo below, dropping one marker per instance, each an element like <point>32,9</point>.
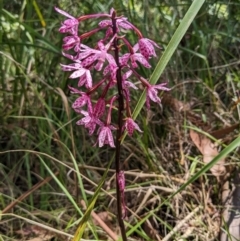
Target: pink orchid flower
<point>133,58</point>
<point>70,25</point>
<point>152,93</point>
<point>105,136</point>
<point>80,72</point>
<point>130,125</point>
<point>146,47</point>
<point>89,56</point>
<point>80,101</point>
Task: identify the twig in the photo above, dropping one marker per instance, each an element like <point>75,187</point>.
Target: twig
<point>26,194</point>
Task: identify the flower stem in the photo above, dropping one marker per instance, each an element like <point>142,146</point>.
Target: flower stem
<point>120,128</point>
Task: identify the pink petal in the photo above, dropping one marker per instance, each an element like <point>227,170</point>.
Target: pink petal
<point>69,23</point>
<point>124,59</point>
<point>124,24</point>
<point>63,13</point>
<point>102,136</point>
<point>85,113</point>
<point>75,91</point>
<point>89,60</point>
<point>99,64</point>
<point>99,108</point>
<point>105,23</point>
<point>152,93</point>
<point>70,42</point>
<point>111,60</point>
<point>110,139</point>
<point>69,67</point>
<point>84,120</point>
<point>88,79</point>
<point>127,74</point>
<point>131,85</point>
<point>82,80</point>
<point>161,87</point>
<point>101,46</point>
<point>131,125</point>
<point>91,127</point>
<point>80,102</point>
<point>135,47</point>
<point>146,47</point>
<point>77,73</point>
<point>141,59</point>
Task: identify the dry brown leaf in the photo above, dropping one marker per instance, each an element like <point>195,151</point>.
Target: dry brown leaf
<point>32,230</point>
<point>105,217</point>
<point>221,133</point>
<point>175,104</point>
<point>209,151</point>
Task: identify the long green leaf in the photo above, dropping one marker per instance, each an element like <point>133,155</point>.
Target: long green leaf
<point>84,220</point>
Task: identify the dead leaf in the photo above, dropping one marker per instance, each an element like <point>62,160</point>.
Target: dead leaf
<point>105,217</point>
<point>209,151</point>
<point>177,105</point>
<point>39,233</point>
<point>221,133</point>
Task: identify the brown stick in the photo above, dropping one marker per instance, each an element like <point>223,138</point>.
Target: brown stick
<point>26,194</point>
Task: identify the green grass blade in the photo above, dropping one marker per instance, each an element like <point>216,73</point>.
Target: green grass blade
<point>84,220</point>
<point>80,182</point>
<point>38,11</point>
<point>64,189</point>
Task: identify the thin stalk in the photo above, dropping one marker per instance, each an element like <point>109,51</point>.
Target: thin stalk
<point>120,128</point>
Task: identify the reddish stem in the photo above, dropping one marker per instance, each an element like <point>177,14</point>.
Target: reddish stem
<point>120,128</point>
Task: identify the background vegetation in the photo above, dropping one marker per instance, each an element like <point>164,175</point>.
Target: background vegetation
<point>49,166</point>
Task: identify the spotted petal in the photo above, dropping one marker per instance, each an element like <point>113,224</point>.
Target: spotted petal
<point>130,125</point>
<point>146,47</point>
